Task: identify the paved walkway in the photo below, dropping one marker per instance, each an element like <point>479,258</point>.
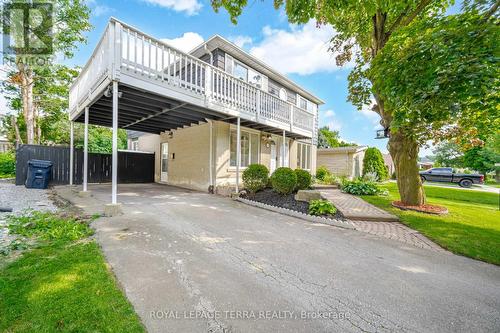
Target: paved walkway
<point>355,208</point>
<point>175,250</point>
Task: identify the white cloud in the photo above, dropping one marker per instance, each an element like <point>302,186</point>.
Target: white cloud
<point>190,7</point>
<point>372,116</point>
<point>331,121</point>
<point>241,41</point>
<point>98,9</point>
<point>187,42</point>
<point>301,49</point>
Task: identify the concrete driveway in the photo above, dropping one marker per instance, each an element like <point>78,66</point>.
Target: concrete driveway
<point>193,262</point>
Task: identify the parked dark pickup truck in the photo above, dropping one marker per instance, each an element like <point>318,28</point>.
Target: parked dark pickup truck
<point>446,175</point>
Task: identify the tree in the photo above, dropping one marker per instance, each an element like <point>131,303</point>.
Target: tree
<point>70,19</point>
<point>486,158</point>
<point>330,139</point>
<point>374,32</point>
<point>448,154</point>
<point>373,162</point>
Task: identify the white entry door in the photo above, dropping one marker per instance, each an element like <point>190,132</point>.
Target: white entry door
<point>164,162</point>
<point>274,156</point>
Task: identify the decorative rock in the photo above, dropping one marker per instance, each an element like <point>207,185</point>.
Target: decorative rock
<point>307,195</point>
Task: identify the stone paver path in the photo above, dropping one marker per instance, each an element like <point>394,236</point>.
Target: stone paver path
<point>397,231</point>
<point>354,208</point>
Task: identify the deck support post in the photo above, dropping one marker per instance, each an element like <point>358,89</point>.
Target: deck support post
<point>114,208</point>
<point>71,162</point>
<point>283,149</point>
<point>238,154</point>
<point>85,192</point>
<point>114,159</point>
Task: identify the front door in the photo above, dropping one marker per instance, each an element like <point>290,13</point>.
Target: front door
<point>274,156</point>
<point>164,162</point>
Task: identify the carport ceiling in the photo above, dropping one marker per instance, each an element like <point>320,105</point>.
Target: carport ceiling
<point>147,112</point>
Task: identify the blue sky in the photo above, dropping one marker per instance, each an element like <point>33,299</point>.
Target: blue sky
<point>300,52</point>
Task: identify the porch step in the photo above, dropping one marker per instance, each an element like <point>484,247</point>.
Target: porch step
<point>354,208</point>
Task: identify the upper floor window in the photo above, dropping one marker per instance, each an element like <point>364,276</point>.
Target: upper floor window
<point>303,103</point>
<point>283,95</point>
<point>236,68</point>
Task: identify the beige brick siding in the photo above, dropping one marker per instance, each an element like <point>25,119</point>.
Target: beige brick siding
<point>340,164</point>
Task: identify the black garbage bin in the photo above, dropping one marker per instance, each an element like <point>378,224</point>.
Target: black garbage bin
<point>39,174</point>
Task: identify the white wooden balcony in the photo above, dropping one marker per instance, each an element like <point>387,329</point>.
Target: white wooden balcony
<point>162,88</point>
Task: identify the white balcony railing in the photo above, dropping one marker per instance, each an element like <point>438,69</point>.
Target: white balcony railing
<point>123,49</point>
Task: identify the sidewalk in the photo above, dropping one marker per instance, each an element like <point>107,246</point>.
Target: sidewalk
<point>354,208</point>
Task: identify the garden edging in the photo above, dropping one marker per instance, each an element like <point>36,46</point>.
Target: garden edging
<point>310,218</point>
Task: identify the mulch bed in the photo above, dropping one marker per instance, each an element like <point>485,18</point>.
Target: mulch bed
<point>269,197</point>
<point>429,209</point>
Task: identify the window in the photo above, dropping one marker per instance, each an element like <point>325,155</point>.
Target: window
<point>134,144</point>
<point>249,148</point>
<point>240,71</point>
<point>283,95</point>
<point>303,156</point>
<point>236,68</point>
<point>303,103</point>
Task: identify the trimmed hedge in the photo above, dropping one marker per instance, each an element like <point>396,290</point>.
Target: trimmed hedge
<point>255,177</point>
<point>304,179</point>
<point>284,180</point>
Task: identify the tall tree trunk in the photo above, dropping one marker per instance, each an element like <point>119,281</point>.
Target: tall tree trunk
<point>26,75</point>
<point>13,121</point>
<point>404,152</point>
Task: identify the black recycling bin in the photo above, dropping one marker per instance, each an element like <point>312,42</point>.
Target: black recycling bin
<point>39,174</point>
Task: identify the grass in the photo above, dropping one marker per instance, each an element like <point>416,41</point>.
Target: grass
<point>471,228</point>
<point>7,175</point>
<point>61,283</point>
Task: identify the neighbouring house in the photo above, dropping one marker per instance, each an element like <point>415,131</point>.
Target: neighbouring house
<point>140,141</point>
<point>5,145</point>
<point>389,163</point>
<point>193,105</point>
<point>425,163</point>
<point>342,161</point>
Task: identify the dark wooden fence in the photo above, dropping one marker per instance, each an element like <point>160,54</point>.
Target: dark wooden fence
<point>133,167</point>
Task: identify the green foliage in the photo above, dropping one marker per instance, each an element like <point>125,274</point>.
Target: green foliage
<point>304,179</point>
<point>442,71</point>
<point>360,187</point>
<point>48,226</point>
<point>321,173</point>
<point>284,180</point>
<point>330,139</point>
<point>255,177</point>
<point>321,207</point>
<point>331,180</point>
<point>373,162</point>
<point>448,154</point>
<point>7,164</point>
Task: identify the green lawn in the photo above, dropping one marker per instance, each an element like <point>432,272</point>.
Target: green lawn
<point>62,283</point>
<point>472,227</point>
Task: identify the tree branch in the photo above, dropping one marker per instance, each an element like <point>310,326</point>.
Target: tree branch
<point>404,20</point>
<point>492,10</point>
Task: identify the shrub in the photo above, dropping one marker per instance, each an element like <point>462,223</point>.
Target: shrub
<point>360,187</point>
<point>7,163</point>
<point>304,179</point>
<point>331,180</point>
<point>255,177</point>
<point>321,207</point>
<point>321,173</point>
<point>370,177</point>
<point>373,162</point>
<point>284,180</point>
